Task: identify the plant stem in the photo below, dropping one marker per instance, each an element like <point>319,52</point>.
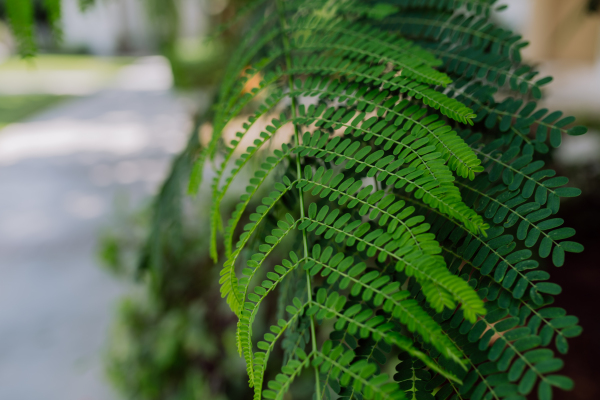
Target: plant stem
<point>286,45</point>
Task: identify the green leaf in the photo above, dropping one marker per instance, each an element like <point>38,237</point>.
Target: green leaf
<point>577,130</point>
<point>560,381</point>
<point>544,391</point>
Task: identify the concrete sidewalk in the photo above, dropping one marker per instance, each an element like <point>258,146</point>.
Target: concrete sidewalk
<point>59,176</point>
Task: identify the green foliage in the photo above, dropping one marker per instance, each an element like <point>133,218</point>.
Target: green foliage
<point>20,16</point>
<point>412,199</point>
<point>14,108</point>
<point>155,352</point>
<point>169,341</point>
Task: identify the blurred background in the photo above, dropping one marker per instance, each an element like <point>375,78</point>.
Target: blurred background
<point>90,128</point>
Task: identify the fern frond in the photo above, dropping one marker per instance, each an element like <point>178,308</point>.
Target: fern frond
<point>525,306</point>
<point>441,287</point>
<point>496,70</point>
<point>259,177</point>
<point>384,200</point>
<point>387,169</point>
<point>352,9</point>
<point>372,351</point>
<point>410,151</point>
<point>516,306</point>
<point>251,305</point>
<point>267,166</point>
<point>413,377</point>
<point>261,358</point>
<point>483,255</point>
<point>225,112</point>
<point>376,286</point>
<point>382,10</point>
<point>461,29</point>
<point>472,6</point>
<point>513,364</point>
<point>368,128</point>
<point>529,214</point>
<point>257,361</point>
<point>496,256</point>
<point>362,322</point>
<point>358,374</point>
<point>359,71</point>
<point>353,39</point>
<point>377,76</point>
<point>474,340</point>
<point>389,212</point>
<point>413,118</point>
<point>229,282</point>
<point>512,115</point>
<point>364,43</point>
<point>280,385</point>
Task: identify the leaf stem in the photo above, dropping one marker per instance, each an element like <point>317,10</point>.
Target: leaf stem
<point>286,45</point>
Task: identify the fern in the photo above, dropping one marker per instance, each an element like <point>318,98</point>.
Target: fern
<point>414,201</point>
<point>411,231</point>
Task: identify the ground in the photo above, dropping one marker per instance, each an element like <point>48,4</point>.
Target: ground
<point>61,174</point>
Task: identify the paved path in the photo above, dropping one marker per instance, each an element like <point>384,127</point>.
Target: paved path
<point>59,176</point>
